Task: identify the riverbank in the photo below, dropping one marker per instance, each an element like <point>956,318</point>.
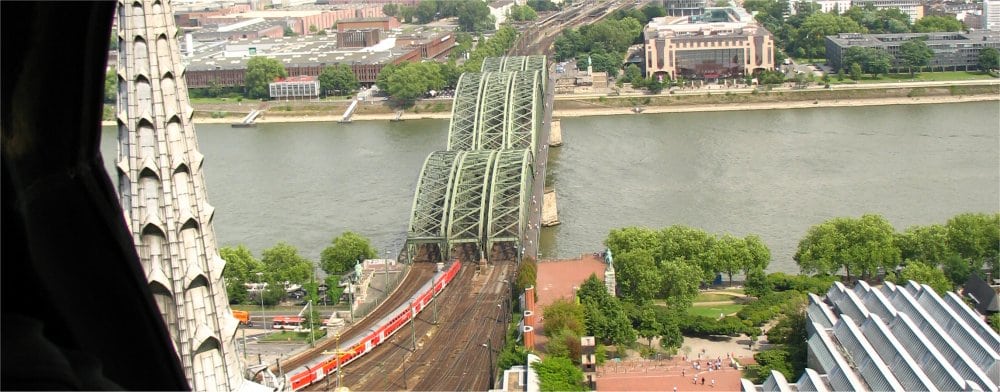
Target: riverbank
<point>568,106</point>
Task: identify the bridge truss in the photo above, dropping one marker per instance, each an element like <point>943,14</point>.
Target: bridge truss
<point>473,197</point>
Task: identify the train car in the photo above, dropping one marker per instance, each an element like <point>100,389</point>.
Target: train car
<point>319,368</point>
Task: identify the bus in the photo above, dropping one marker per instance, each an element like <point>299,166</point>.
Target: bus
<point>292,323</point>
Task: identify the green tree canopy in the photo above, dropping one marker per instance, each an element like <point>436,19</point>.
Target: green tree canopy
<point>390,9</point>
<point>819,25</point>
<point>935,23</point>
<point>604,316</point>
<point>872,60</point>
<point>474,15</point>
<point>344,251</point>
<point>338,77</point>
<point>926,274</point>
<point>648,326</point>
<point>282,263</point>
<point>410,81</point>
<point>976,238</point>
<point>527,272</point>
<point>240,264</point>
<point>679,282</point>
<point>522,13</point>
<point>110,85</point>
<point>261,71</point>
<point>563,314</point>
<point>915,53</point>
<point>989,59</point>
<point>637,275</point>
<point>928,244</point>
<point>862,245</point>
<point>558,374</point>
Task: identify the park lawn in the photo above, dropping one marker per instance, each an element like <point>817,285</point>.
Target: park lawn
<point>712,297</point>
<point>714,310</point>
<point>292,336</point>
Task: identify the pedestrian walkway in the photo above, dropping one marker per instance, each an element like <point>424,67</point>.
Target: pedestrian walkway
<point>665,375</point>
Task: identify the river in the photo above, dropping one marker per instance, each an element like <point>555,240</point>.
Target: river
<point>774,173</point>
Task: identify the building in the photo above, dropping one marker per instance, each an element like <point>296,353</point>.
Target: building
<point>588,361</point>
<point>824,5</point>
<point>194,15</point>
<point>385,24</point>
<point>226,66</point>
<point>302,20</point>
<point>913,8</point>
<point>904,338</point>
<point>295,87</point>
<point>358,38</point>
<point>721,43</point>
<point>500,9</point>
<point>246,29</point>
<point>684,7</point>
<point>991,15</point>
<point>951,50</point>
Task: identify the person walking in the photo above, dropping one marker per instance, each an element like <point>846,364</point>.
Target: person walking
<point>713,383</point>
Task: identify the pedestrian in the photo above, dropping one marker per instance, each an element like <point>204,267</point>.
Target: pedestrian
<point>694,380</point>
<point>703,381</point>
<point>675,388</point>
<point>713,383</point>
<point>683,372</point>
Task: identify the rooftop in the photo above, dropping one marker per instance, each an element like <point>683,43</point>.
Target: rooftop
<point>716,21</point>
<point>856,39</point>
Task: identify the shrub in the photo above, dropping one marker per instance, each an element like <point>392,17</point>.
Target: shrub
<point>768,306</point>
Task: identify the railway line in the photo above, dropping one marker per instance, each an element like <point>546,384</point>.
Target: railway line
<point>449,355</point>
<point>418,275</point>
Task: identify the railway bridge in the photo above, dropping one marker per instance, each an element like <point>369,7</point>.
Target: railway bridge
<point>473,199</point>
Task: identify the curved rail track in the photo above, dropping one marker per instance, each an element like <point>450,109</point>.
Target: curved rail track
<point>417,276</point>
<point>449,355</point>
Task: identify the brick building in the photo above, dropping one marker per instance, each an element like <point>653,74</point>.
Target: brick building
<point>358,38</point>
<point>385,24</point>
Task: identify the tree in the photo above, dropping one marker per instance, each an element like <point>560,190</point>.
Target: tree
<point>604,316</point>
<point>862,245</point>
<point>241,268</point>
<point>288,32</point>
<point>558,374</point>
<point>935,23</point>
<point>730,255</point>
<point>344,251</point>
<point>637,276</point>
<point>313,29</point>
<point>282,263</point>
<point>879,62</point>
<point>757,283</point>
<point>819,25</point>
<point>928,244</point>
<point>649,327</point>
<point>474,15</point>
<point>563,314</point>
<point>413,80</point>
<point>759,255</point>
<point>110,86</point>
<point>338,77</point>
<point>522,13</point>
<point>273,294</point>
<point>425,11</point>
<point>956,269</point>
<point>261,71</point>
<point>390,9</point>
<point>915,53</point>
<point>565,344</point>
<point>694,245</point>
<point>679,282</point>
<point>527,272</point>
<point>926,274</point>
<point>989,59</point>
<point>629,239</point>
<point>855,71</point>
<point>840,74</point>
<point>633,75</point>
<point>976,238</point>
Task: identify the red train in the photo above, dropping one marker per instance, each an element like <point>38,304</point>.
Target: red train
<point>320,367</point>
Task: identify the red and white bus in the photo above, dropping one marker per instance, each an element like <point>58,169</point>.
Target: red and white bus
<point>293,323</point>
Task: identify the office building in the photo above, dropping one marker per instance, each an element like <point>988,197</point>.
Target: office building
<point>952,51</point>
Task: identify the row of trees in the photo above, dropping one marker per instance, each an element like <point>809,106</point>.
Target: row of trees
<point>867,245</point>
<point>673,262</point>
<point>282,264</point>
<point>802,34</point>
<point>262,71</point>
<point>473,15</point>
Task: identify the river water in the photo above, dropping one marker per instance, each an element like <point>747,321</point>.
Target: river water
<point>774,173</point>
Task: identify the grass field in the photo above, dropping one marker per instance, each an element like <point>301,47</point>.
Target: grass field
<point>714,310</point>
<point>712,297</point>
<point>292,336</point>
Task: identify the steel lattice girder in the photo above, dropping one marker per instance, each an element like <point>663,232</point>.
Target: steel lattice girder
<point>490,126</point>
<point>538,63</point>
<point>432,198</point>
<point>523,116</point>
<point>509,189</point>
<point>513,63</point>
<point>492,64</point>
<point>464,111</point>
<point>468,198</point>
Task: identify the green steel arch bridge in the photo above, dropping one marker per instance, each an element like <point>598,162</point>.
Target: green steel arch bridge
<point>473,200</point>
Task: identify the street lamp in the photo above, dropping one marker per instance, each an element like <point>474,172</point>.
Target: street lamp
<point>261,287</point>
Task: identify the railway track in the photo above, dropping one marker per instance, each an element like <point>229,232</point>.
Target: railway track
<point>448,355</point>
<point>418,275</point>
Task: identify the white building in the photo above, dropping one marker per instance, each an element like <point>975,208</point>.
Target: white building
<point>824,5</point>
<point>500,9</point>
<point>991,15</point>
<point>913,8</point>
